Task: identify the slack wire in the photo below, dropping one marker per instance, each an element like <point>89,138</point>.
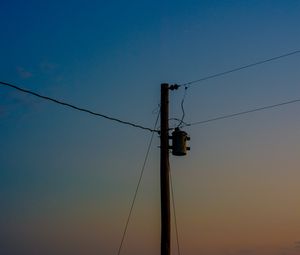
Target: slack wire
<point>242,113</point>
<point>240,68</point>
<point>174,212</point>
<point>137,187</point>
<point>182,107</point>
<point>76,107</point>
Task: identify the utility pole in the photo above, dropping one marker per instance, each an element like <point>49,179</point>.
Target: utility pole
<point>179,148</point>
<point>165,172</point>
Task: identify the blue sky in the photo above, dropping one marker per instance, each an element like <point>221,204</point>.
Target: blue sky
<point>67,178</point>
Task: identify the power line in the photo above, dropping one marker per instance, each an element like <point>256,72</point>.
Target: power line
<point>182,107</point>
<point>242,113</point>
<point>188,84</point>
<point>76,107</point>
<point>137,187</point>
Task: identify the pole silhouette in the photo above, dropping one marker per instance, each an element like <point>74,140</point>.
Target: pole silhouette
<point>165,172</point>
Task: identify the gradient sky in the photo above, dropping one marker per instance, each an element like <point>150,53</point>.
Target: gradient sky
<point>67,178</point>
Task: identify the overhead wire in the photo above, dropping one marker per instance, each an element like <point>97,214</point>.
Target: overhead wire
<point>182,107</point>
<point>184,124</point>
<point>75,107</point>
<point>181,123</point>
<point>186,85</point>
<point>233,115</point>
<point>137,187</point>
<point>190,83</point>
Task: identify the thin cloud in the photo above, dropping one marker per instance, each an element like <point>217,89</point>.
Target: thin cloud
<point>47,67</point>
<point>292,249</point>
<point>23,73</point>
<point>12,102</point>
<point>297,245</point>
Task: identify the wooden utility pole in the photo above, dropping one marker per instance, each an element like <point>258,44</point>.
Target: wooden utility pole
<point>165,172</point>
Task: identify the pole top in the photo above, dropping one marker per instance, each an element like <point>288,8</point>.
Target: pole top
<point>171,87</point>
<point>174,87</point>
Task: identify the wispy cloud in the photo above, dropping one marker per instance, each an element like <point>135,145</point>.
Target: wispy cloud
<point>292,249</point>
<point>23,73</point>
<point>12,102</point>
<point>297,245</point>
<point>47,66</point>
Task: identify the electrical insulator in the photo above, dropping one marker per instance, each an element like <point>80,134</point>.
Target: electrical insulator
<point>179,139</point>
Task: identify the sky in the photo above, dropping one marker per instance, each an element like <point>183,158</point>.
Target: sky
<point>67,178</point>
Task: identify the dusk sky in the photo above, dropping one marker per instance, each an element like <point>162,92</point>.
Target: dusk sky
<point>67,178</point>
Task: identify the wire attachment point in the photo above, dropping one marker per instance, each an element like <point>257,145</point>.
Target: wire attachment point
<point>174,87</point>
